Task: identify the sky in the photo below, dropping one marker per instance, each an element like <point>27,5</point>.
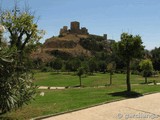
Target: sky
<point>111,17</point>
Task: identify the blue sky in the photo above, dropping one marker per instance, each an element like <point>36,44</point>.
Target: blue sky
<point>100,16</point>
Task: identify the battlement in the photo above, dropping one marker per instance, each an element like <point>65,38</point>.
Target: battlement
<point>74,29</point>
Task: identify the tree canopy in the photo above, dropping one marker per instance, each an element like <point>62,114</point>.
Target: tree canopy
<point>21,26</point>
<point>147,67</point>
<point>128,48</point>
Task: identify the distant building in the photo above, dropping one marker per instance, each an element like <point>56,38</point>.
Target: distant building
<point>74,29</point>
<point>111,41</point>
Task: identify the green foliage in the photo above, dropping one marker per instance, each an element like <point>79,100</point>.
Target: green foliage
<point>16,78</point>
<point>129,48</point>
<point>102,66</point>
<point>37,63</point>
<point>92,65</point>
<point>68,66</point>
<point>93,43</point>
<point>75,63</point>
<point>16,85</point>
<point>111,67</point>
<point>135,72</point>
<point>61,54</point>
<point>135,65</point>
<point>147,67</point>
<point>46,69</point>
<point>156,58</point>
<point>22,28</point>
<point>80,71</point>
<point>85,67</point>
<point>57,64</point>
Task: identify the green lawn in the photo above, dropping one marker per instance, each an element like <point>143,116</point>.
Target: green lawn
<point>98,79</point>
<point>56,101</point>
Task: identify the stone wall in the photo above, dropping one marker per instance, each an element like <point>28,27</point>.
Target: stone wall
<point>74,29</point>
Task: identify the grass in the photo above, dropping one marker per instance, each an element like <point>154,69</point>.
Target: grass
<point>56,101</point>
<point>98,79</point>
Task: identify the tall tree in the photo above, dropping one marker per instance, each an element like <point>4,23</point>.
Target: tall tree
<point>21,26</point>
<point>128,48</point>
<point>16,84</point>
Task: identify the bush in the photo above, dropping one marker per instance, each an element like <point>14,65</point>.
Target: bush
<point>46,69</point>
<point>16,81</point>
<point>135,72</point>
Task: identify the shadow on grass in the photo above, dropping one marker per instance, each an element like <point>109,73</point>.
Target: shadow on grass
<point>126,94</point>
<point>76,86</point>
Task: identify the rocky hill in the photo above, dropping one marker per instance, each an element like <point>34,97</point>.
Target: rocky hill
<point>74,42</point>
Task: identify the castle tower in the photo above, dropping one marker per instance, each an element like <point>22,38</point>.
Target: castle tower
<point>75,27</point>
<point>84,31</point>
<point>64,30</point>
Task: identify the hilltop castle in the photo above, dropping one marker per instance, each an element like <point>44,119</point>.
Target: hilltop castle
<point>74,29</point>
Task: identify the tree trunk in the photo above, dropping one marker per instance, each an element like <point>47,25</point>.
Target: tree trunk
<point>128,77</point>
<point>80,81</point>
<point>146,80</point>
<point>110,78</point>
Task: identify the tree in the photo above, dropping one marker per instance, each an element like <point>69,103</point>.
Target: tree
<point>68,66</point>
<point>147,67</point>
<point>85,67</point>
<point>155,53</point>
<point>76,63</point>
<point>92,65</point>
<point>128,48</point>
<point>21,26</point>
<point>102,66</point>
<point>110,68</point>
<point>16,78</point>
<point>57,64</point>
<point>80,72</point>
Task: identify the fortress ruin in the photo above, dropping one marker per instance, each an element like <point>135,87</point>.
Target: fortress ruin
<point>74,29</point>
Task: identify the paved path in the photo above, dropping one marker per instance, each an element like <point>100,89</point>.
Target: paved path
<point>51,88</point>
<point>142,108</point>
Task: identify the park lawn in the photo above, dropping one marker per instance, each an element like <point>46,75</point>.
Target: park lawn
<point>56,101</point>
<point>98,79</point>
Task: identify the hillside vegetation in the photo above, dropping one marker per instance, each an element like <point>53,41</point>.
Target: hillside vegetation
<point>72,45</point>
